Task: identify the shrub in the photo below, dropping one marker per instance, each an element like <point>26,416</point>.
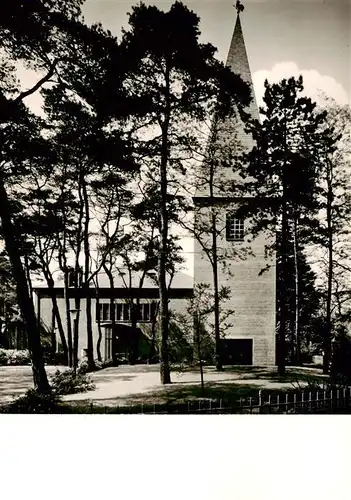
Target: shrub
<point>340,370</point>
<point>68,382</point>
<point>3,357</point>
<point>83,367</point>
<point>33,402</point>
<point>57,358</point>
<point>14,357</point>
<point>108,363</point>
<point>122,360</point>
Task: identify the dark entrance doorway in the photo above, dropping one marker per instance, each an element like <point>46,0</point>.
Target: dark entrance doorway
<point>130,343</point>
<point>237,351</point>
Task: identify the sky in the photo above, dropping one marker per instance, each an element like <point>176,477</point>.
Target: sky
<point>283,37</point>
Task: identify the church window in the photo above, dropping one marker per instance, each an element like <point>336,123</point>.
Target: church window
<point>234,228</point>
<point>146,311</point>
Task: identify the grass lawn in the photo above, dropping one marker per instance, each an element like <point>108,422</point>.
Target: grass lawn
<point>242,383</point>
<point>136,388</point>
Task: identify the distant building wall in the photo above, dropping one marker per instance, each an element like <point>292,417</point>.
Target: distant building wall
<point>177,305</point>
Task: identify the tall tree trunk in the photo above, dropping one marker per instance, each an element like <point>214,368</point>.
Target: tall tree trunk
<point>109,273</point>
<point>97,300</point>
<point>164,314</point>
<point>56,312</point>
<point>98,344</point>
<point>199,353</point>
<point>213,257</point>
<point>62,259</point>
<point>77,304</point>
<point>328,323</point>
<point>152,353</point>
<point>53,334</point>
<point>283,295</point>
<point>25,302</point>
<point>165,372</point>
<point>68,318</point>
<point>27,271</point>
<point>90,343</point>
<point>297,292</point>
<point>219,365</point>
<point>60,328</point>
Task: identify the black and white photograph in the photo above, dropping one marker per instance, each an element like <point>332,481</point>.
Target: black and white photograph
<point>175,207</point>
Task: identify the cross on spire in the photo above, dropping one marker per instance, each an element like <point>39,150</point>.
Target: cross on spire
<point>239,7</point>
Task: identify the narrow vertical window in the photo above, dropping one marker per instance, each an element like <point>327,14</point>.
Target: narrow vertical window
<point>146,312</point>
<point>105,312</point>
<point>119,315</point>
<point>98,315</point>
<point>126,312</point>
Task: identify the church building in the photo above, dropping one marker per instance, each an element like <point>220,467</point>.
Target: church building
<point>250,338</point>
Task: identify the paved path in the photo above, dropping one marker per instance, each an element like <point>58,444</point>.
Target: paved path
<point>15,380</point>
<point>115,384</point>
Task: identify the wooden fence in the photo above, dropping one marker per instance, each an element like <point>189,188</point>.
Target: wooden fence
<point>313,402</point>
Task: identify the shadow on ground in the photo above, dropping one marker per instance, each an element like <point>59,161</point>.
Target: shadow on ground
<point>173,394</point>
<point>292,375</point>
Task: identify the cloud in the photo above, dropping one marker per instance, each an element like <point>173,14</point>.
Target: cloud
<point>314,82</point>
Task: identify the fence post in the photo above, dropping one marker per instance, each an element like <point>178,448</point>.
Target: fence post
<point>302,401</point>
<point>260,398</point>
<point>250,405</point>
<point>338,398</point>
<point>287,402</point>
<point>295,402</point>
<point>317,400</point>
<point>310,400</point>
<point>269,403</point>
<point>210,406</point>
<point>324,399</point>
<point>278,402</point>
<point>220,406</point>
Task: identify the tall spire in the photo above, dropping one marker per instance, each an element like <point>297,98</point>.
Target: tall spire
<point>238,62</point>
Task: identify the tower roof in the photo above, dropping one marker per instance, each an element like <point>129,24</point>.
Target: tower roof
<point>238,62</point>
<point>231,133</point>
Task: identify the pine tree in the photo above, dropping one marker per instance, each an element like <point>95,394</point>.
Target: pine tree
<point>178,82</point>
<point>73,59</point>
<point>284,165</point>
<point>332,235</point>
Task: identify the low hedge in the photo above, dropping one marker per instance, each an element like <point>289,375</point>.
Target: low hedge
<point>33,402</point>
<point>14,357</point>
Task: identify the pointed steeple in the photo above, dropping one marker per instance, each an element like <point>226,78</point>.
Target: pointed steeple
<point>231,132</point>
<point>238,62</point>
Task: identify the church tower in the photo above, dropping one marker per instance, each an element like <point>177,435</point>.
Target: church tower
<point>250,337</point>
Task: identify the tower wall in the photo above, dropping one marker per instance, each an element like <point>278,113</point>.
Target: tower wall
<point>253,293</point>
